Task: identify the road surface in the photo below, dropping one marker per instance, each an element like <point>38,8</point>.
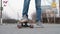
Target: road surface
<point>12,29</point>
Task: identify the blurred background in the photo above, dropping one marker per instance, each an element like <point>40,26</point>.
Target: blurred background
<point>11,11</point>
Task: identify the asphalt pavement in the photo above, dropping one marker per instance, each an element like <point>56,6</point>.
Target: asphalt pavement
<point>12,29</point>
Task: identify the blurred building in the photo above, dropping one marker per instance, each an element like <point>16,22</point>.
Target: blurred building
<point>48,8</point>
<point>45,10</point>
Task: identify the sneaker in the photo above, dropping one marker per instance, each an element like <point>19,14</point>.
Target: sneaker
<point>35,25</point>
<point>38,24</point>
<point>24,19</point>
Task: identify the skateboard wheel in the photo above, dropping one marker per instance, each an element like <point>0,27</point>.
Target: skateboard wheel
<point>19,26</point>
<point>31,26</point>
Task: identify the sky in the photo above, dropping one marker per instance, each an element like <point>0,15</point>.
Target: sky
<point>14,8</point>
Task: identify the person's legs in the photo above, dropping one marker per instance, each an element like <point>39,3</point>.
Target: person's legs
<point>25,12</point>
<point>25,8</point>
<point>38,10</point>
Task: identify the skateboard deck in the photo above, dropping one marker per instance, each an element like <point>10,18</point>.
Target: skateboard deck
<point>24,24</point>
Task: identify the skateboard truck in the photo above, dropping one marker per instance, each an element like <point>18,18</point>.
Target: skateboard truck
<point>26,25</point>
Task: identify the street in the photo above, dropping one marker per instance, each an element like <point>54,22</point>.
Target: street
<point>12,29</point>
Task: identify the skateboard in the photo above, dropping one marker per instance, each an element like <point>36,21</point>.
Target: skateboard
<point>24,24</point>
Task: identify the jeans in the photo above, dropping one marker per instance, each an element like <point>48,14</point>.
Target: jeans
<point>38,8</point>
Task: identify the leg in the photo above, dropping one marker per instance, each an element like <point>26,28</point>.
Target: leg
<point>25,11</point>
<point>25,8</point>
<point>38,10</point>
